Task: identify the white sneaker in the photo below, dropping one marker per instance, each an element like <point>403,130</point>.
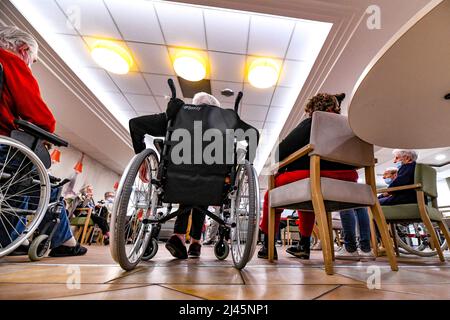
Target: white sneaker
<point>317,246</point>
<point>343,254</point>
<point>366,255</point>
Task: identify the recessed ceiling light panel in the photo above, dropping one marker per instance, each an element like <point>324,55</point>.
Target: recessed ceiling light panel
<point>112,57</point>
<point>263,73</point>
<point>190,65</point>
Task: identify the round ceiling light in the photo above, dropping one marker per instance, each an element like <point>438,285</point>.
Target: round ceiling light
<point>263,73</point>
<point>440,157</point>
<point>190,65</point>
<point>112,57</point>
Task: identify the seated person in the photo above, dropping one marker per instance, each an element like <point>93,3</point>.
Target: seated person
<point>156,126</point>
<point>85,199</point>
<point>406,163</point>
<point>21,99</point>
<point>352,249</point>
<point>299,169</point>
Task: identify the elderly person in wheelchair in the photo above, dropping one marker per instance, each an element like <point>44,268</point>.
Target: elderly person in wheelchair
<point>26,126</point>
<point>191,174</point>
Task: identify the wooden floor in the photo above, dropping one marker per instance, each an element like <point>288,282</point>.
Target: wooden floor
<point>96,276</point>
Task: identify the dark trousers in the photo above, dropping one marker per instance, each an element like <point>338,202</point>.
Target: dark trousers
<point>101,223</point>
<point>198,219</point>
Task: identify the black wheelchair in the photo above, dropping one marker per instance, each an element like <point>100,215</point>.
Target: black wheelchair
<point>25,189</point>
<point>144,203</point>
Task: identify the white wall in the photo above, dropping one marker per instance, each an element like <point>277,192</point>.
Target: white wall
<point>94,173</point>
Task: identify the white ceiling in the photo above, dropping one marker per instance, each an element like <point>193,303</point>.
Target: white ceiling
<point>348,50</point>
<point>154,30</point>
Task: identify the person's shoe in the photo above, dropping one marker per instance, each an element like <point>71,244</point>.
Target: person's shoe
<point>65,251</point>
<point>195,250</point>
<point>302,250</point>
<point>176,247</point>
<point>343,254</point>
<point>366,255</point>
<point>317,246</point>
<point>208,243</point>
<point>263,253</point>
<point>299,251</point>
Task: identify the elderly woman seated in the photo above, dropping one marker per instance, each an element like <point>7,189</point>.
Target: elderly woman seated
<point>299,169</point>
<point>406,164</point>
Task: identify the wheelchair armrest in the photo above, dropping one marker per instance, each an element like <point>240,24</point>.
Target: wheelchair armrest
<point>40,133</point>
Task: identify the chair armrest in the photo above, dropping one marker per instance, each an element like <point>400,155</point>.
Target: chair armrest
<point>400,188</point>
<point>291,158</point>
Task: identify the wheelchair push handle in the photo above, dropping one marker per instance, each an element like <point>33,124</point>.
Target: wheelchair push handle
<point>172,88</point>
<point>238,101</point>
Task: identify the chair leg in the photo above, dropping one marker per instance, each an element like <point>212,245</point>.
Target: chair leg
<point>330,231</point>
<point>271,235</point>
<point>394,238</point>
<point>384,231</point>
<point>434,238</point>
<point>321,216</point>
<point>446,233</point>
<point>427,222</point>
<point>373,235</point>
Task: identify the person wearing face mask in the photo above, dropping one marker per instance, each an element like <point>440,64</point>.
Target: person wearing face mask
<point>405,160</point>
<point>102,210</point>
<point>21,97</point>
<point>389,175</point>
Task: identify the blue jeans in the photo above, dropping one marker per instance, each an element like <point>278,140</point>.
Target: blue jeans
<point>348,220</point>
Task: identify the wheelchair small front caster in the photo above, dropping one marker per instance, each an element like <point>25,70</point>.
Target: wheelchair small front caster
<point>221,250</point>
<point>39,247</point>
<point>152,249</point>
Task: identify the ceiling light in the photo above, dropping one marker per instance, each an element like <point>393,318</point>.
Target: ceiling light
<point>440,157</point>
<point>190,65</point>
<point>112,57</point>
<point>263,73</point>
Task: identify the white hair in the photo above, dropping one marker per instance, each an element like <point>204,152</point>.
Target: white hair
<point>11,38</point>
<point>403,152</point>
<point>205,98</point>
<point>391,169</point>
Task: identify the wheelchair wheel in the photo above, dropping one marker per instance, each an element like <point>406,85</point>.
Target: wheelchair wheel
<point>221,250</point>
<point>416,243</point>
<point>39,247</point>
<point>24,193</point>
<point>152,249</point>
<point>136,202</point>
<point>244,215</point>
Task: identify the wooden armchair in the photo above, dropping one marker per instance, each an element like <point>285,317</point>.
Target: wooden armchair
<point>83,223</point>
<point>333,140</point>
<point>426,187</point>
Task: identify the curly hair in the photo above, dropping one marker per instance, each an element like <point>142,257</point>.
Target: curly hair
<point>324,102</point>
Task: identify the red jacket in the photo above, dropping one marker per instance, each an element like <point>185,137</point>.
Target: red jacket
<point>21,97</point>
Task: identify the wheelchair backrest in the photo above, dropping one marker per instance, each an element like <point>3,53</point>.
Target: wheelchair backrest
<point>201,154</point>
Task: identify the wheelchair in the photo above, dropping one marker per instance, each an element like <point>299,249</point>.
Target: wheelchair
<point>143,204</point>
<point>25,188</point>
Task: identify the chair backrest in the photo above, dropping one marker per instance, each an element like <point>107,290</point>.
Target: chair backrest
<point>426,176</point>
<point>334,140</point>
